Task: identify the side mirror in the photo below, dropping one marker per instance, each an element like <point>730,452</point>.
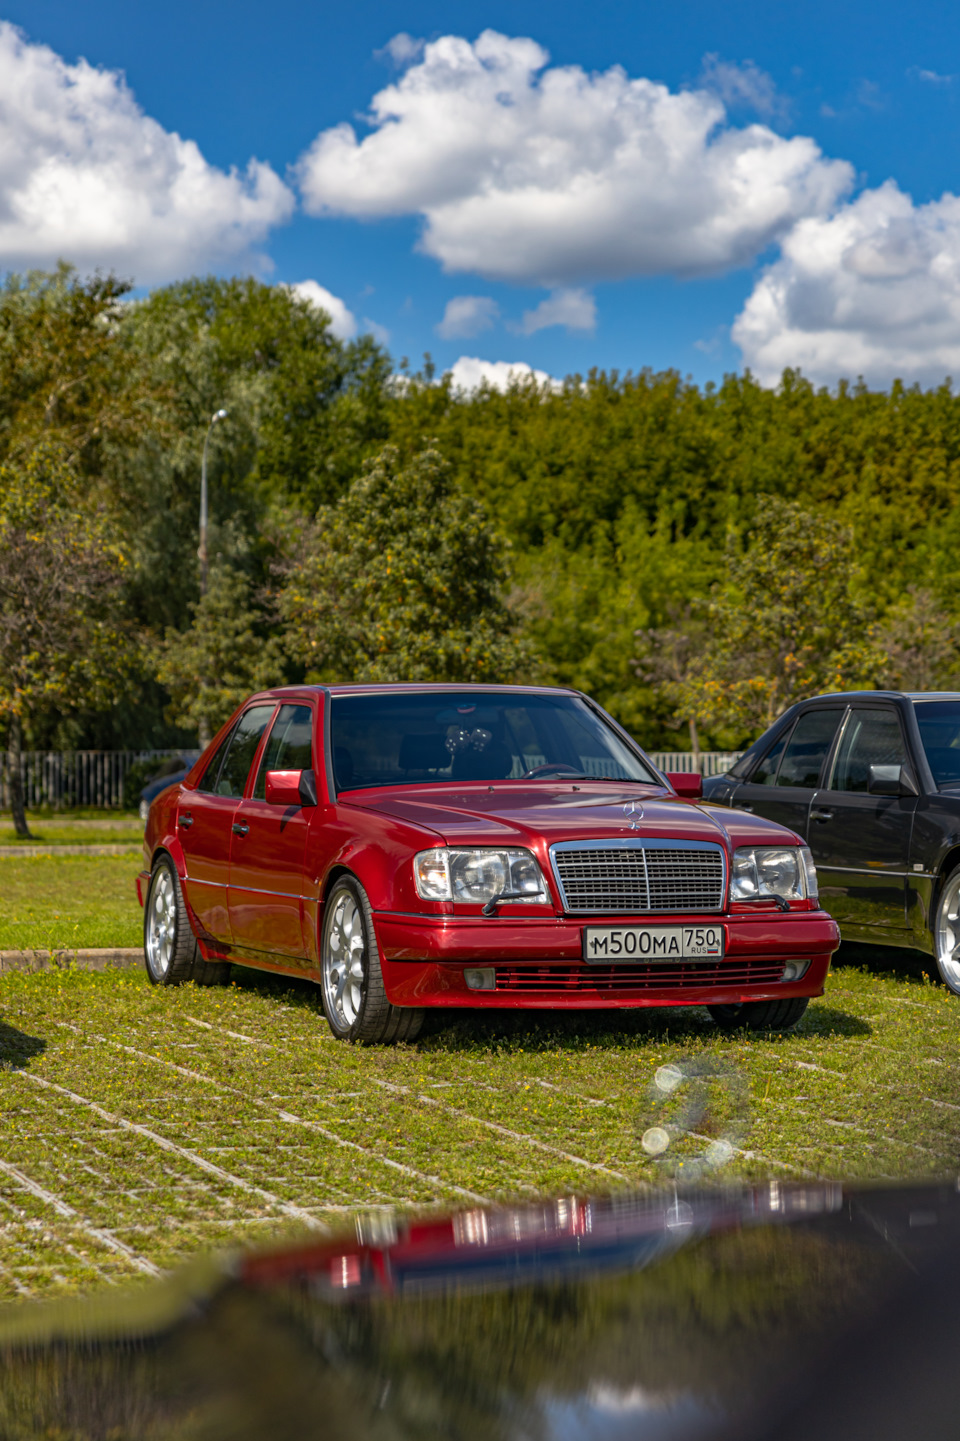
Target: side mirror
<point>890,781</point>
<point>687,784</point>
<point>291,788</point>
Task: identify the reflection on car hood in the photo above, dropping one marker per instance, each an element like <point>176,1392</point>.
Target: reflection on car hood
<point>647,1314</point>
<point>508,813</point>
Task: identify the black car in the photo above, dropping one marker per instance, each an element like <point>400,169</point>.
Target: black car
<point>871,780</point>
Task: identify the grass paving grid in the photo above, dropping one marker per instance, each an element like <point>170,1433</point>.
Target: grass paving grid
<point>867,1087</point>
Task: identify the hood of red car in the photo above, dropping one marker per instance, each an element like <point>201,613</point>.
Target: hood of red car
<point>509,813</point>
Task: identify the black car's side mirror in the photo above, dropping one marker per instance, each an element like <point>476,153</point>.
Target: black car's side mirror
<point>890,781</point>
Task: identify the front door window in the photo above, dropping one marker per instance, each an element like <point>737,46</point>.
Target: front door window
<point>870,738</point>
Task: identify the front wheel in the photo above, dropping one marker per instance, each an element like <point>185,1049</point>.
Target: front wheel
<point>351,981</point>
<point>946,932</point>
<point>760,1015</point>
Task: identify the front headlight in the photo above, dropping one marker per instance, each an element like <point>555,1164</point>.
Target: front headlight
<point>477,876</point>
<point>760,871</point>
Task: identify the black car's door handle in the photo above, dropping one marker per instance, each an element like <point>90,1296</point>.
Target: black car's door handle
<point>820,814</point>
<point>186,820</point>
<point>240,828</point>
<point>745,808</point>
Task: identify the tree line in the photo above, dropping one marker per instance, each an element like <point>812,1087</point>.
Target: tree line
<point>695,557</point>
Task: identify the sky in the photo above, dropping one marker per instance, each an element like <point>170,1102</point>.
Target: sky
<point>694,186</point>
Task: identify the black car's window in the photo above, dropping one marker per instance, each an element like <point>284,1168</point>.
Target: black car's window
<point>243,748</point>
<point>208,781</point>
<point>290,747</point>
<point>808,745</point>
<point>871,737</point>
<point>766,772</point>
<point>396,739</point>
<point>939,722</point>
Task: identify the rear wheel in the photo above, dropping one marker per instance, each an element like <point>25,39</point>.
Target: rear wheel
<point>760,1015</point>
<point>354,1000</point>
<point>946,932</point>
<point>169,946</point>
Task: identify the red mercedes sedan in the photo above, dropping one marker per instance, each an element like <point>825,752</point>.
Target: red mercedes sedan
<point>407,846</point>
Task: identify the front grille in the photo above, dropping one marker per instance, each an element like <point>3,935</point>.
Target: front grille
<point>624,880</point>
<point>596,980</point>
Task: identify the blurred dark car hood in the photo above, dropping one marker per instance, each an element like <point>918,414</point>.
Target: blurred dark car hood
<point>787,1311</point>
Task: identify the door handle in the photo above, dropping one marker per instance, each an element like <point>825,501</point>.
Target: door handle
<point>240,828</point>
<point>820,814</point>
<point>186,820</point>
<point>745,808</point>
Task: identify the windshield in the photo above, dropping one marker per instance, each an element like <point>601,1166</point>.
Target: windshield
<point>399,739</point>
<point>939,722</point>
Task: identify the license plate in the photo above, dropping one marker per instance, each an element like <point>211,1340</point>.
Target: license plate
<point>605,944</point>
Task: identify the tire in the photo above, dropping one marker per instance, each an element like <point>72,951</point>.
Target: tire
<point>946,932</point>
<point>170,950</point>
<point>354,1000</point>
<point>760,1015</point>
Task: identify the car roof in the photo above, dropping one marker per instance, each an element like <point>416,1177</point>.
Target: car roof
<point>910,695</point>
<point>418,687</point>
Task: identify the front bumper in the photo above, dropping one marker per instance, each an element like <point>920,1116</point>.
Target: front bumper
<point>538,962</point>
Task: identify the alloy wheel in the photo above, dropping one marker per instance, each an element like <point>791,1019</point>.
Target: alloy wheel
<point>948,933</point>
<point>161,924</point>
<point>344,961</point>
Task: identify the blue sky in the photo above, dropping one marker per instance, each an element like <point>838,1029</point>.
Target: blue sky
<point>735,166</point>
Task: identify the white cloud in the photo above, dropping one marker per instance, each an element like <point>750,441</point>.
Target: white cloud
<point>576,309</point>
<point>559,177</point>
<point>874,291</point>
<point>380,333</point>
<point>86,176</point>
<point>745,85</point>
<point>343,322</point>
<point>930,77</point>
<point>401,50</point>
<point>468,315</point>
<point>469,373</point>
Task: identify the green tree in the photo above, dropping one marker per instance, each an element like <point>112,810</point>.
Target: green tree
<point>401,580</point>
<point>67,374</point>
<point>224,655</point>
<point>786,624</point>
<point>63,641</point>
<point>922,643</point>
<point>669,661</point>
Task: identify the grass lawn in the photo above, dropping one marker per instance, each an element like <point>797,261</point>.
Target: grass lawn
<point>140,1126</point>
<point>57,828</point>
<point>56,902</point>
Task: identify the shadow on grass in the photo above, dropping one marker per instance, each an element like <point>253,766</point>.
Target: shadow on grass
<point>893,962</point>
<point>450,1029</point>
<point>17,1048</point>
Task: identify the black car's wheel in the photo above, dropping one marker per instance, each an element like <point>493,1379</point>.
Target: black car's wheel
<point>946,932</point>
<point>760,1015</point>
<point>354,1000</point>
<point>169,946</point>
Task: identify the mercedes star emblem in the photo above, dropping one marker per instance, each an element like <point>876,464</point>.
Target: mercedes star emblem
<point>633,811</point>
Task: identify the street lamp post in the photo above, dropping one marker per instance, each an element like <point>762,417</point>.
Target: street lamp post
<point>204,724</point>
<point>202,552</point>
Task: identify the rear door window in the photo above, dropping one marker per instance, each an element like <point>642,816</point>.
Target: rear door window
<point>243,747</point>
<point>766,772</point>
<point>208,781</point>
<point>808,747</point>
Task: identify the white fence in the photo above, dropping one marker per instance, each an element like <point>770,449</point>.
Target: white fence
<point>710,763</point>
<point>62,779</point>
